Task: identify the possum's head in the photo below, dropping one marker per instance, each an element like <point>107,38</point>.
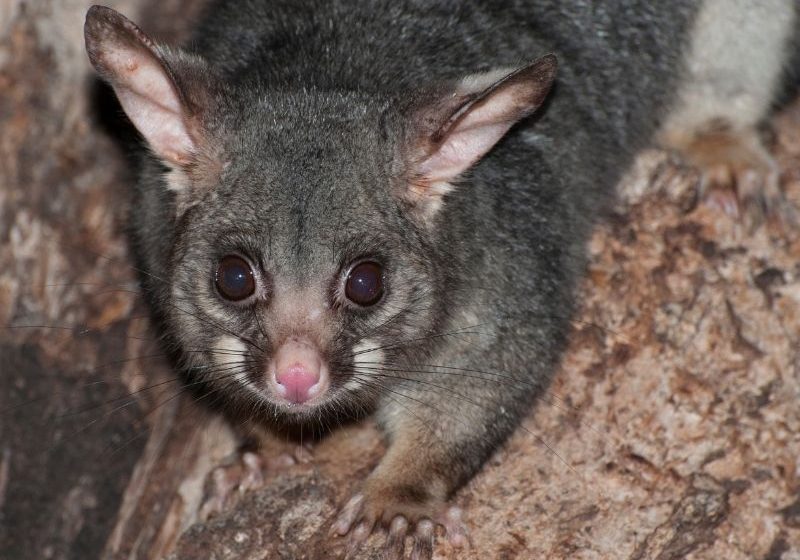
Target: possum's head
<point>308,258</point>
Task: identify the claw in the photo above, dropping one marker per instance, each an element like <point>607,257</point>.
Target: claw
<point>282,461</point>
<point>455,528</point>
<point>357,538</point>
<point>253,476</point>
<point>723,200</point>
<point>348,515</point>
<point>223,485</point>
<point>303,455</point>
<point>423,541</point>
<point>396,542</point>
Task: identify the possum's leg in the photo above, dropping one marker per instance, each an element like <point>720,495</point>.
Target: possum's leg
<point>441,429</point>
<point>733,69</point>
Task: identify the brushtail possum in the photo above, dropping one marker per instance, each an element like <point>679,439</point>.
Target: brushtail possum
<point>382,206</point>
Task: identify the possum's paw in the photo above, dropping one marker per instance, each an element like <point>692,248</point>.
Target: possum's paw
<point>403,514</point>
<point>227,483</point>
<point>738,176</point>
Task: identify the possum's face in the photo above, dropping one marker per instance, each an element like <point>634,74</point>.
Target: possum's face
<point>307,262</point>
<point>299,281</point>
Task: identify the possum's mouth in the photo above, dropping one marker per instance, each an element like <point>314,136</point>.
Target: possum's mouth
<point>296,377</point>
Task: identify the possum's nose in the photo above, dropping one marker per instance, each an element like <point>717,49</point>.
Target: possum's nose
<point>299,371</point>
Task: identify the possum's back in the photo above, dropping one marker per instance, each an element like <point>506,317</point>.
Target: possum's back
<point>612,54</point>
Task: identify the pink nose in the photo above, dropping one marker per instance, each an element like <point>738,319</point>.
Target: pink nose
<point>298,369</point>
<point>297,381</point>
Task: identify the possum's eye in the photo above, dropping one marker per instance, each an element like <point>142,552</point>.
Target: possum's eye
<point>234,278</point>
<point>364,284</point>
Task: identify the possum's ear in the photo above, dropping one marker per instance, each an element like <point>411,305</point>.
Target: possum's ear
<point>164,101</point>
<point>454,131</point>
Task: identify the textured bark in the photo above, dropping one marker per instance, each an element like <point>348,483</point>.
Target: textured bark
<point>671,431</point>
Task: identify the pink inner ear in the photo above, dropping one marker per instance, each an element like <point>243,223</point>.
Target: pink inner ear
<point>151,102</point>
<point>462,149</point>
<point>481,123</point>
<point>130,62</point>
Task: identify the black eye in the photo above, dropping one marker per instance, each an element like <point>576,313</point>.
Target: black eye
<point>234,278</point>
<point>364,284</point>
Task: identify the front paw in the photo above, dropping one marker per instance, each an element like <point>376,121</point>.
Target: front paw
<point>242,473</point>
<point>405,511</point>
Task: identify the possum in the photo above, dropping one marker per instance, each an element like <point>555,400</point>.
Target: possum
<point>351,207</point>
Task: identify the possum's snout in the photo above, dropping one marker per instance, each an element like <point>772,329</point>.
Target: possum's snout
<point>297,372</point>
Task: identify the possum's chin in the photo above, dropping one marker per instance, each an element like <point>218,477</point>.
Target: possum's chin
<point>336,399</point>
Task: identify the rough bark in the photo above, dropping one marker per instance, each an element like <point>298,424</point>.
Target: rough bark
<point>671,431</point>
